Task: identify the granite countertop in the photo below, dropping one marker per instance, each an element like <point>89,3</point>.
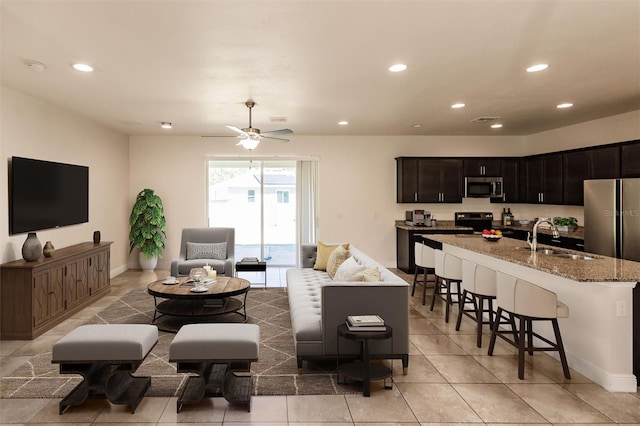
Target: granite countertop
<point>450,225</point>
<point>599,269</point>
<point>444,225</point>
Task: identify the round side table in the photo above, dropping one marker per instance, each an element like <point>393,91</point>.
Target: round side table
<point>365,370</point>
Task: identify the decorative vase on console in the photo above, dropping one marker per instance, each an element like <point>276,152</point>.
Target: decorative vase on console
<point>31,249</point>
<point>48,249</point>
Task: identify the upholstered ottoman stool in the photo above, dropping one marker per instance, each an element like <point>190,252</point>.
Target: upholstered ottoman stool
<point>221,356</point>
<point>105,355</point>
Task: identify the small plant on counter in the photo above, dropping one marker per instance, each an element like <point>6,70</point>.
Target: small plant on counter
<point>568,222</point>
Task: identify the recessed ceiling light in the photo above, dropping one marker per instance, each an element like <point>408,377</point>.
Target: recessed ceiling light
<point>397,67</point>
<point>166,125</point>
<point>564,105</point>
<point>458,105</point>
<point>415,126</point>
<point>82,67</point>
<point>537,67</point>
<point>496,126</point>
<point>343,122</point>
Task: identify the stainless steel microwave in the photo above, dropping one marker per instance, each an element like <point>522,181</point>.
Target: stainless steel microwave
<point>483,187</point>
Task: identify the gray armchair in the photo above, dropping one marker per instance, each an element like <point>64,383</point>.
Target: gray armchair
<point>202,246</point>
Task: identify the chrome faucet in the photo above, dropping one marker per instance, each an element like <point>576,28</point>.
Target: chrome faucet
<point>534,239</point>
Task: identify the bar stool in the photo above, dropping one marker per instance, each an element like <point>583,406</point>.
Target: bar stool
<point>425,265</point>
<point>528,302</point>
<point>448,270</point>
<point>478,286</point>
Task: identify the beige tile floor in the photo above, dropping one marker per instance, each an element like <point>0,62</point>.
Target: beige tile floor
<point>450,382</point>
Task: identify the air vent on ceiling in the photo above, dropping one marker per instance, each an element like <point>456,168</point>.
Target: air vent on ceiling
<point>278,119</point>
<point>484,119</point>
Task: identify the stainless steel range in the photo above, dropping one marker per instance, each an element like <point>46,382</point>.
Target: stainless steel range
<point>476,220</point>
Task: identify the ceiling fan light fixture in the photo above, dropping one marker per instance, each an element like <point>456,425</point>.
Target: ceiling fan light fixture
<point>249,143</point>
<point>564,105</point>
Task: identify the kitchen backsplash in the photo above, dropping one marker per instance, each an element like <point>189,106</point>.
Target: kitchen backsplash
<point>520,211</point>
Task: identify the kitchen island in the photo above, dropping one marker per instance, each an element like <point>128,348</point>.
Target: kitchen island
<point>598,335</point>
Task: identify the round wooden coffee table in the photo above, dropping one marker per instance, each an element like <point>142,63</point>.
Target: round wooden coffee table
<point>178,301</point>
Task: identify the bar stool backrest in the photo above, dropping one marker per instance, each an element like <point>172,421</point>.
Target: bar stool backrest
<point>428,256</point>
<point>417,253</point>
<point>525,298</point>
<point>448,266</point>
<point>478,279</point>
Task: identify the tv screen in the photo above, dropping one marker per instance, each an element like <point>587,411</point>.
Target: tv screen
<point>46,194</point>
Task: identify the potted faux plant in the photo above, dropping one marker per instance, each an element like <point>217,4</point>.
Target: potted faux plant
<point>148,228</point>
<point>565,224</point>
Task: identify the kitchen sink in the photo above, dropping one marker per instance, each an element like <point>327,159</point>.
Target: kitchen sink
<point>573,256</point>
<point>542,250</point>
<point>559,253</point>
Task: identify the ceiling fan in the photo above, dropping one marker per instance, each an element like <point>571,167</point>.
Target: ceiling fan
<point>250,137</point>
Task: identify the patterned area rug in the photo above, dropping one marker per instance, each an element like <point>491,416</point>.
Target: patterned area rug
<point>276,373</point>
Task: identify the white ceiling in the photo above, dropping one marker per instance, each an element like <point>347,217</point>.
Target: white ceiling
<point>195,63</point>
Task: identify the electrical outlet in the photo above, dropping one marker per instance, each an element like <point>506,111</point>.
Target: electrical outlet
<point>621,308</point>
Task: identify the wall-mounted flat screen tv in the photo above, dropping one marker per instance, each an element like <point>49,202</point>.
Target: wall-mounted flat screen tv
<point>46,194</point>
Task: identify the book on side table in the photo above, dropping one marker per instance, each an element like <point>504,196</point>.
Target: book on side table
<point>365,323</point>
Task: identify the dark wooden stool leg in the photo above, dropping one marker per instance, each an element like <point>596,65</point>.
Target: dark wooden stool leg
<point>563,356</point>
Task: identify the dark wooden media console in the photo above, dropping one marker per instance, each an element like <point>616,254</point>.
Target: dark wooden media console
<point>36,296</point>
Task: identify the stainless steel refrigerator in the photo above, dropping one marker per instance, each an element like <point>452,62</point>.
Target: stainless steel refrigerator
<point>612,228</point>
<point>612,217</point>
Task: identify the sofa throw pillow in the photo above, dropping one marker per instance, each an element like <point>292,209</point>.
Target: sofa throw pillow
<point>348,269</point>
<point>206,251</point>
<point>324,251</point>
<point>371,274</point>
<point>336,258</point>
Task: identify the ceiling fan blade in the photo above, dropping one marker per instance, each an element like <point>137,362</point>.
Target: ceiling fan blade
<point>218,136</point>
<point>236,129</point>
<point>278,132</point>
<point>275,139</point>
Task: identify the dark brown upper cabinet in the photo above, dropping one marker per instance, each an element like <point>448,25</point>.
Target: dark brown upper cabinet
<point>429,180</point>
<point>544,179</point>
<point>630,160</point>
<point>509,170</point>
<point>482,167</point>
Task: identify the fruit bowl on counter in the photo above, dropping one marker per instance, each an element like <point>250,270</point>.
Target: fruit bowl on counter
<point>492,235</point>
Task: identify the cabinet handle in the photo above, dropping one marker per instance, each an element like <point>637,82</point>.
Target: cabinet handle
<point>579,245</point>
<point>542,196</point>
<point>415,196</point>
<point>556,241</point>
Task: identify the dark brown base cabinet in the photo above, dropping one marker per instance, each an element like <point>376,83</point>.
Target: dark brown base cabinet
<point>36,296</point>
<point>405,245</point>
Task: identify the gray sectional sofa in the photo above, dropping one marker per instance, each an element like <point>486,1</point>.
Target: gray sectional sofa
<point>319,304</point>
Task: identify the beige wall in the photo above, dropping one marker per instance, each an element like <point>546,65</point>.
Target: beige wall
<point>357,174</point>
<point>357,180</point>
<point>35,129</point>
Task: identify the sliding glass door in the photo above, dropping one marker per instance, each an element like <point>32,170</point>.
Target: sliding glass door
<point>258,199</point>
